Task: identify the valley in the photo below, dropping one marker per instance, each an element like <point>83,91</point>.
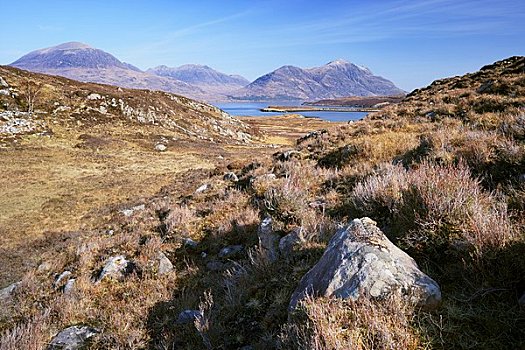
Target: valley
<point>138,219</point>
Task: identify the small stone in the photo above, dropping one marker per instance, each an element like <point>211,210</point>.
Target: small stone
<point>190,243</point>
<point>230,251</point>
<point>189,316</point>
<point>94,96</point>
<point>215,265</point>
<point>116,267</point>
<point>73,338</point>
<point>43,267</point>
<point>160,147</point>
<point>231,177</point>
<point>8,291</point>
<point>522,300</point>
<point>68,288</point>
<point>202,188</point>
<point>61,278</point>
<point>288,242</point>
<point>165,265</point>
<point>287,155</point>
<point>3,83</point>
<point>130,211</point>
<point>268,240</point>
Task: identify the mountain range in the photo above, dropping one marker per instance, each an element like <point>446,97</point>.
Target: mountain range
<point>82,62</point>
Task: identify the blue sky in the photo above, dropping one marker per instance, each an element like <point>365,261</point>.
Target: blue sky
<point>410,42</point>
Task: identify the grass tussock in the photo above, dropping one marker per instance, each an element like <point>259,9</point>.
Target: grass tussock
<point>325,323</point>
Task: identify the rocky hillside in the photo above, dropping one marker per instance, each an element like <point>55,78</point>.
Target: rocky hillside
<point>81,62</point>
<point>401,231</point>
<point>35,103</point>
<point>335,79</point>
<point>203,77</point>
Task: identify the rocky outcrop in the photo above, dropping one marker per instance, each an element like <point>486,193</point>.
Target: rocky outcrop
<point>73,338</point>
<point>360,262</point>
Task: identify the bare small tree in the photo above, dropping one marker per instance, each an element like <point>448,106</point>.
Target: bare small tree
<point>32,92</point>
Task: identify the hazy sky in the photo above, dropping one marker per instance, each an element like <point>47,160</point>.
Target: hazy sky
<point>409,42</point>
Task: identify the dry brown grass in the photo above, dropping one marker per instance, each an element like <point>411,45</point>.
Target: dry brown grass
<point>343,324</point>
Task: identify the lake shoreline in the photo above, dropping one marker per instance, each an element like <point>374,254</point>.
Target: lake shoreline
<point>294,109</point>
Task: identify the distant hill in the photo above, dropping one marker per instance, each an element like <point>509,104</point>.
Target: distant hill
<point>82,62</point>
<point>204,77</point>
<point>335,79</point>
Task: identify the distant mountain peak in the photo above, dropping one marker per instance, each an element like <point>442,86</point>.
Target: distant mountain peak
<point>338,78</point>
<point>200,75</point>
<point>72,45</point>
<point>338,61</point>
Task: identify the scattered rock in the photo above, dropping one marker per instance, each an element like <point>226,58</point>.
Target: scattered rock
<point>94,96</point>
<point>230,251</point>
<point>130,211</point>
<point>268,240</point>
<point>160,147</point>
<point>8,291</point>
<point>360,261</point>
<point>68,288</point>
<point>190,243</point>
<point>3,83</point>
<point>215,265</point>
<point>287,155</point>
<point>116,267</point>
<point>43,267</point>
<point>73,338</point>
<point>312,134</point>
<point>288,242</point>
<point>267,177</point>
<point>165,265</point>
<point>64,276</point>
<point>231,177</point>
<point>189,316</point>
<point>202,188</point>
<point>486,87</point>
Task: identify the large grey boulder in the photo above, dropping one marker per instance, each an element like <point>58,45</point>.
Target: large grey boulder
<point>359,262</point>
<point>268,240</point>
<point>116,267</point>
<point>72,338</point>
